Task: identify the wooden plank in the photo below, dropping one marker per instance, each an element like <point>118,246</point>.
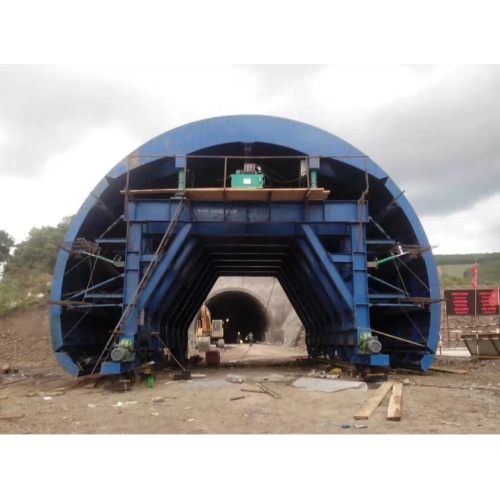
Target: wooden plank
<point>246,194</point>
<point>241,194</point>
<point>371,405</point>
<point>287,195</point>
<point>448,370</point>
<point>394,410</point>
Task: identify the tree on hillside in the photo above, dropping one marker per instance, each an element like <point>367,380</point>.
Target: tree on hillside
<point>39,250</point>
<point>6,243</point>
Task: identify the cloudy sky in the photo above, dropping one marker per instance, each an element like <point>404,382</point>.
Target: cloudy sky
<point>433,128</point>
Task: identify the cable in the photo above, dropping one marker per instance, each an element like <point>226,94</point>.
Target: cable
<point>77,323</point>
<point>237,361</point>
<point>91,281</point>
<point>400,277</point>
<point>279,180</point>
<point>194,178</point>
<point>76,265</point>
<point>415,275</point>
<point>416,327</point>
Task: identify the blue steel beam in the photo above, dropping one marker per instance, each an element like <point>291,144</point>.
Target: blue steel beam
<point>319,291</point>
<point>186,309</point>
<point>307,304</point>
<point>294,299</point>
<point>190,298</point>
<point>383,282</point>
<point>194,272</point>
<point>335,212</point>
<point>330,268</point>
<point>172,275</point>
<point>164,264</point>
<point>83,292</point>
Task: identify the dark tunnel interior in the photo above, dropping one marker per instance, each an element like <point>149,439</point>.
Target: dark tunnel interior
<point>241,312</point>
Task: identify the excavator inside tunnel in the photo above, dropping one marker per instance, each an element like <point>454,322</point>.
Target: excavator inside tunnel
<point>252,196</point>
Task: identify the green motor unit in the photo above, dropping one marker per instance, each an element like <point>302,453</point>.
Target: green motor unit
<point>250,180</point>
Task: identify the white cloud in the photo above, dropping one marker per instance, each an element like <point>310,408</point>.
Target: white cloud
<point>64,182</point>
<point>466,231</point>
<point>431,128</point>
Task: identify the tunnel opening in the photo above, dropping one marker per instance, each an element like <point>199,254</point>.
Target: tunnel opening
<point>241,312</point>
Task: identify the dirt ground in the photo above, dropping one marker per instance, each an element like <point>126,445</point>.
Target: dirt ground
<point>42,399</point>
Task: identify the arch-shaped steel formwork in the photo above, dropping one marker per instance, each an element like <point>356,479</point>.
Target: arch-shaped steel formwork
<point>148,244</point>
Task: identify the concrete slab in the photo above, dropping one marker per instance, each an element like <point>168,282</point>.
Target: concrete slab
<point>273,377</point>
<point>327,385</point>
<point>203,384</point>
<point>457,352</point>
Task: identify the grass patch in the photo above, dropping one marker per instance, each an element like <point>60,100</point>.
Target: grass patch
<point>18,291</point>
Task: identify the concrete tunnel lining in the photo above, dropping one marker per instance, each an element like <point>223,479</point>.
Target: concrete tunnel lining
<point>245,314</point>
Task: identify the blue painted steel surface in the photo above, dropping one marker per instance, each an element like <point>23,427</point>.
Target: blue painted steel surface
<point>320,251</point>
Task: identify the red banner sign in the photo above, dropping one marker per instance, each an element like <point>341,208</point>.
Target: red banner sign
<point>462,302</point>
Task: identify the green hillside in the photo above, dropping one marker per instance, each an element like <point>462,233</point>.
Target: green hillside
<point>456,269</point>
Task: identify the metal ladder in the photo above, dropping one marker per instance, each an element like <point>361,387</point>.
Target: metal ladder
<point>142,284</point>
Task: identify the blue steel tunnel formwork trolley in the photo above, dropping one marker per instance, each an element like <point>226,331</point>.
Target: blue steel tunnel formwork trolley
<point>150,241</point>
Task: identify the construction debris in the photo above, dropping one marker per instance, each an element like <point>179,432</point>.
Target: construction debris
<point>49,394</point>
<point>7,369</point>
<point>322,374</point>
<point>269,391</point>
<point>236,398</point>
<point>236,379</point>
<point>258,391</point>
<point>127,403</point>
